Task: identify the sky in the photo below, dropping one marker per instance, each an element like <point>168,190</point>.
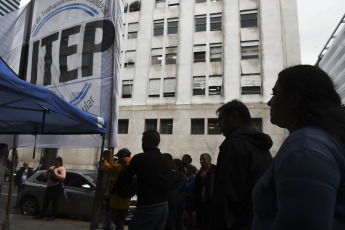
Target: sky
<point>317,20</point>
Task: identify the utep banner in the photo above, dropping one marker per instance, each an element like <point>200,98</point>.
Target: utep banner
<point>71,47</point>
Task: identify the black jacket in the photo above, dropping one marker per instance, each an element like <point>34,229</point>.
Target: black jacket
<point>243,158</point>
<point>153,171</point>
<point>19,174</point>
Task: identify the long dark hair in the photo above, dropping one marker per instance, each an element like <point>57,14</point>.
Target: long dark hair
<point>320,104</point>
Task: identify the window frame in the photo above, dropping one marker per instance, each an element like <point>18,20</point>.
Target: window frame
<point>215,129</point>
<point>166,87</point>
<point>170,57</point>
<point>149,126</point>
<point>249,18</point>
<point>199,90</point>
<point>158,27</point>
<point>128,83</point>
<point>214,46</point>
<point>155,55</point>
<point>199,54</point>
<point>165,129</point>
<point>154,82</point>
<point>132,31</point>
<point>214,23</point>
<point>251,86</point>
<point>217,86</point>
<point>172,29</point>
<point>201,26</point>
<point>122,127</point>
<point>248,45</point>
<point>197,130</point>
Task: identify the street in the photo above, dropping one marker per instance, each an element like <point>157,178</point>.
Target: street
<point>22,222</point>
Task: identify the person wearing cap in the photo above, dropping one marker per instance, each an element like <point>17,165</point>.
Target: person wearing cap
<point>118,206</point>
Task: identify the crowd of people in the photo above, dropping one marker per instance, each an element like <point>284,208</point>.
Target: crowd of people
<point>303,187</point>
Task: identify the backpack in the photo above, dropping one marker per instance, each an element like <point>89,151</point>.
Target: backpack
<point>129,188</point>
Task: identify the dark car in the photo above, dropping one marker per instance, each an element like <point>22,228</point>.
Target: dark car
<point>80,188</point>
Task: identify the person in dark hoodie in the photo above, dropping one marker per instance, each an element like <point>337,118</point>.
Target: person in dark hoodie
<point>243,158</point>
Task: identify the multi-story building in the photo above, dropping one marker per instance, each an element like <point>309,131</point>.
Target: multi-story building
<point>181,60</point>
<point>7,6</point>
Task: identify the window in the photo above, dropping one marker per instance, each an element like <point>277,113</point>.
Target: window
<point>257,123</point>
<point>166,126</point>
<point>250,50</point>
<point>199,53</point>
<point>133,30</point>
<point>156,58</point>
<point>169,87</point>
<point>213,126</point>
<point>200,1</point>
<point>150,124</point>
<point>199,85</point>
<point>249,18</point>
<point>127,86</point>
<point>172,25</point>
<point>130,58</point>
<point>122,126</point>
<point>200,23</point>
<point>154,87</point>
<point>170,55</point>
<point>216,52</point>
<point>251,84</point>
<point>125,8</point>
<point>135,6</point>
<point>215,85</point>
<point>198,126</point>
<point>158,27</point>
<point>216,21</point>
<point>75,180</point>
<point>174,3</point>
<point>160,3</point>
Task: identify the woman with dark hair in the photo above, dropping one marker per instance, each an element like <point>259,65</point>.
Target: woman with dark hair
<point>55,175</point>
<point>304,188</point>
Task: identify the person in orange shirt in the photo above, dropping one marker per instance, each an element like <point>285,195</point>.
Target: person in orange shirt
<point>118,206</point>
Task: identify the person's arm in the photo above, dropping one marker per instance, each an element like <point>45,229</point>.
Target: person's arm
<point>62,174</point>
<point>306,185</point>
<point>129,173</point>
<point>228,186</point>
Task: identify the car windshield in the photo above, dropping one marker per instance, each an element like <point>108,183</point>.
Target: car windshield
<point>91,176</point>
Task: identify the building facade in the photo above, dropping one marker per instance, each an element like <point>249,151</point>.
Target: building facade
<point>181,60</point>
<point>7,6</point>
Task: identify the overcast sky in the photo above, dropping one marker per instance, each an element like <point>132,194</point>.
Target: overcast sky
<point>317,19</point>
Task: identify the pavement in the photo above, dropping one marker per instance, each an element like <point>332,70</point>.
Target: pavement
<point>21,222</point>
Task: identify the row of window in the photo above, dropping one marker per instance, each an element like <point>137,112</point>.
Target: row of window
<point>249,50</point>
<point>248,19</point>
<point>135,5</point>
<point>197,125</point>
<point>250,84</point>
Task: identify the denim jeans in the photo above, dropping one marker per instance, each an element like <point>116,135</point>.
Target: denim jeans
<point>149,218</point>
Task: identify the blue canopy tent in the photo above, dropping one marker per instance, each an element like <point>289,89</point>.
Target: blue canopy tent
<point>29,109</point>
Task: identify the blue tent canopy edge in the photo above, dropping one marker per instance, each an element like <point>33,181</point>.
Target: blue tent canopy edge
<point>29,109</point>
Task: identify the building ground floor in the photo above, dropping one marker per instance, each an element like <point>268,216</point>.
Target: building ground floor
<point>184,129</point>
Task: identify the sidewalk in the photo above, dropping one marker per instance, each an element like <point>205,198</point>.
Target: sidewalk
<point>21,222</point>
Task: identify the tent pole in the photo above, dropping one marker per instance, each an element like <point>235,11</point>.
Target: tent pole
<point>97,200</point>
<point>10,189</point>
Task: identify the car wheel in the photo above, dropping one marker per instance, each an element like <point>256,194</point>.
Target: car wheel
<point>29,206</point>
<point>7,178</point>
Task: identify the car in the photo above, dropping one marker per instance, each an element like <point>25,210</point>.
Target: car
<point>80,188</point>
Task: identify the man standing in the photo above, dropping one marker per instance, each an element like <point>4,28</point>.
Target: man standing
<point>154,178</point>
<point>23,173</point>
<point>5,162</point>
<point>42,165</point>
<point>118,206</point>
<point>243,158</point>
<point>202,191</point>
